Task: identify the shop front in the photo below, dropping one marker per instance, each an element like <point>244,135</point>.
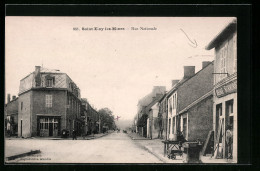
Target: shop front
<point>48,126</point>
<point>225,119</point>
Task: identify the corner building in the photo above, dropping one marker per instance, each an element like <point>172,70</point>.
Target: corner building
<point>225,90</point>
<point>49,101</point>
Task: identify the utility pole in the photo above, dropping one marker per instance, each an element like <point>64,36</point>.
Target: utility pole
<point>99,124</point>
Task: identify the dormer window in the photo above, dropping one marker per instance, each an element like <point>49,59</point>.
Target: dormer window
<point>50,81</point>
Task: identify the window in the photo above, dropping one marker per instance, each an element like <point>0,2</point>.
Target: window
<point>21,105</point>
<point>170,106</point>
<point>49,82</point>
<point>223,56</point>
<point>219,109</point>
<point>48,100</point>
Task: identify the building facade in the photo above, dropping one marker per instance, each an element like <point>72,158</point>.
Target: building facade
<point>225,91</point>
<point>49,101</point>
<point>184,118</point>
<point>11,116</point>
<point>142,110</point>
<point>162,116</point>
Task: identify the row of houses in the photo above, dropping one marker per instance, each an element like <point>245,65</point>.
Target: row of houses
<point>200,106</point>
<point>49,102</point>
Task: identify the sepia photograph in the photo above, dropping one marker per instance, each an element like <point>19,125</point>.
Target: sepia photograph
<point>89,89</point>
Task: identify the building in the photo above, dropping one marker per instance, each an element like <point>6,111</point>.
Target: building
<point>162,116</point>
<point>152,111</point>
<point>190,104</point>
<point>91,117</point>
<point>142,114</point>
<point>225,90</point>
<point>49,101</point>
<point>11,116</point>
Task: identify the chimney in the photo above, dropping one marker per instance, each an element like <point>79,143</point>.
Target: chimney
<point>189,71</point>
<point>8,98</point>
<point>37,76</point>
<point>13,97</point>
<point>174,82</point>
<point>205,63</point>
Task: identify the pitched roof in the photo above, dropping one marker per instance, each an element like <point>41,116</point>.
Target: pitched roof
<point>222,36</point>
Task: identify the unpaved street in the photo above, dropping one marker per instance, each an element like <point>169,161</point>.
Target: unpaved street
<point>113,148</point>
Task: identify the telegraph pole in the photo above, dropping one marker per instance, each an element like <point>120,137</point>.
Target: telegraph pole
<point>99,124</point>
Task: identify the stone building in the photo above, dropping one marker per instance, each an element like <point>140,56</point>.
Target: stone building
<point>91,117</point>
<point>49,101</point>
<point>190,104</point>
<point>11,116</point>
<point>142,114</point>
<point>152,111</point>
<point>225,90</point>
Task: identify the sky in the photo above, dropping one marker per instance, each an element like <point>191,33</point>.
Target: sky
<point>112,68</point>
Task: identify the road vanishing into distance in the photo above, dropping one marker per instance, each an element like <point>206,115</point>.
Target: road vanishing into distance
<point>112,148</point>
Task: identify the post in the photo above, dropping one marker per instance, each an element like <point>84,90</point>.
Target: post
<point>99,124</point>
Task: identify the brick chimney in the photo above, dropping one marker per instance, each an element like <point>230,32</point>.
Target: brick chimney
<point>205,63</point>
<point>13,97</point>
<point>8,98</point>
<point>174,82</point>
<point>189,71</point>
<point>37,76</point>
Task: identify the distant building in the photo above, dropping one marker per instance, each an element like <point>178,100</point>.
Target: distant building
<point>225,89</point>
<point>152,111</point>
<point>49,101</point>
<point>142,114</point>
<point>91,118</point>
<point>11,116</point>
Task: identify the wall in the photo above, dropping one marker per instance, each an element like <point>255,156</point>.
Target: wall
<point>26,83</point>
<point>24,114</point>
<point>58,106</point>
<point>195,87</point>
<point>231,58</point>
<point>200,119</point>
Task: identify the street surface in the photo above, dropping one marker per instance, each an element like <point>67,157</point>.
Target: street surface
<point>112,148</point>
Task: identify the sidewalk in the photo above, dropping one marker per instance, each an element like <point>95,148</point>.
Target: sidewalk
<point>88,137</point>
<point>153,146</point>
<point>156,147</point>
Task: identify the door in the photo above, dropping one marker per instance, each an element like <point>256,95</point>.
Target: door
<point>50,129</point>
<point>185,128</point>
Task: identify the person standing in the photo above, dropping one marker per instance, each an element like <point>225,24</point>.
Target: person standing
<point>229,140</point>
<point>74,135</point>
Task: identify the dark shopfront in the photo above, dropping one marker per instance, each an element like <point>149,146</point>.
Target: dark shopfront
<point>48,126</point>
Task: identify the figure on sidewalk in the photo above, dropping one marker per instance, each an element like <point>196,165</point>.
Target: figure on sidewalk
<point>74,135</point>
<point>229,140</point>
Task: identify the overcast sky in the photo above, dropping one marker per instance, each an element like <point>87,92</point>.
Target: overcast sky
<point>113,69</point>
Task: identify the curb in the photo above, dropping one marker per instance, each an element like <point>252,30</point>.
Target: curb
<point>137,138</point>
<point>150,151</point>
<point>23,155</point>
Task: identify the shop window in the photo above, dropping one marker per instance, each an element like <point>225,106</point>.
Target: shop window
<point>229,107</point>
<point>219,109</point>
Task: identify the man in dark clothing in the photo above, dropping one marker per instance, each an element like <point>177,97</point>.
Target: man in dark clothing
<point>74,135</point>
<point>229,140</point>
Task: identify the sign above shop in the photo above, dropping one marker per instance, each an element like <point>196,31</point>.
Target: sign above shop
<point>226,89</point>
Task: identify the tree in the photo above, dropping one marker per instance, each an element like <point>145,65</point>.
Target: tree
<point>106,118</point>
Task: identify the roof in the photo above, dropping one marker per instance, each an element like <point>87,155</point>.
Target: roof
<point>46,70</point>
<point>196,101</point>
<point>182,81</point>
<point>222,36</point>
